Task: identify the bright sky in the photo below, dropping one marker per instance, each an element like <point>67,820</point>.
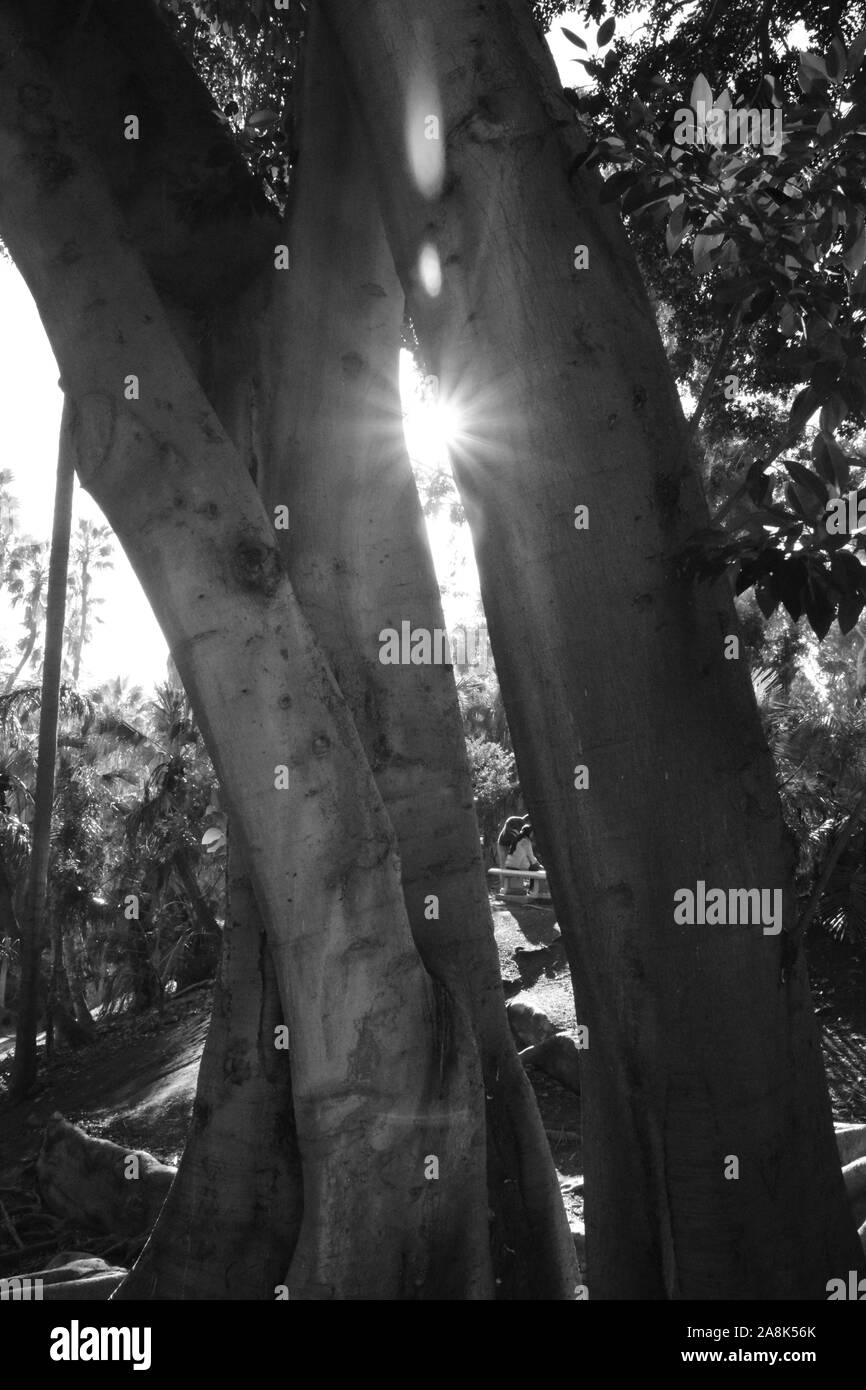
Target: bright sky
<point>128,641</point>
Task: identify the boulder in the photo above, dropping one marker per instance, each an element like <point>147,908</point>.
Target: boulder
<point>851,1142</point>
<point>99,1184</point>
<point>528,1025</point>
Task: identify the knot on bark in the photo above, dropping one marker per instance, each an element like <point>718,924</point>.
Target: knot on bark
<point>257,566</point>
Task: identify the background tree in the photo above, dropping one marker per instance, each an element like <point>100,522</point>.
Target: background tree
<point>92,553</point>
<point>33,917</point>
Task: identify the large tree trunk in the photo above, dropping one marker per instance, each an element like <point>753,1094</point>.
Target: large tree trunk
<point>319,416</point>
<point>230,1224</point>
<point>697,1048</point>
<point>387,1089</point>
<point>32,918</point>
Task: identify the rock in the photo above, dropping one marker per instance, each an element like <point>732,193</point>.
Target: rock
<point>854,1177</point>
<point>529,1025</point>
<point>96,1183</point>
<point>80,1277</point>
<point>851,1142</point>
<point>559,1057</point>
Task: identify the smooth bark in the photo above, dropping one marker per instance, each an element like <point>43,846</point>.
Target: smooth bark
<point>383,1064</point>
<point>699,1049</point>
<point>231,1221</point>
<point>330,446</point>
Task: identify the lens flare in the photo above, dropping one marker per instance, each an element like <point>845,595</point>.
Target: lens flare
<point>425,144</point>
<point>429,270</point>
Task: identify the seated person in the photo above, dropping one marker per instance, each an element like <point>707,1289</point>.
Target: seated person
<point>507,839</point>
<point>521,857</point>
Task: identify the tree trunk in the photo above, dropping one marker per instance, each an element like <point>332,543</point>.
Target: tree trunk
<point>320,414</point>
<point>388,1097</point>
<point>81,635</point>
<point>6,945</point>
<point>32,921</point>
<point>72,966</point>
<point>230,1224</point>
<point>698,1050</point>
<point>12,679</point>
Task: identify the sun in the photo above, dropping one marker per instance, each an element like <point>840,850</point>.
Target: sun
<point>432,425</point>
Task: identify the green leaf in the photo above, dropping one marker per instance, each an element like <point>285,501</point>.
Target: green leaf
<point>617,184</point>
<point>574,38</point>
<point>850,608</point>
<point>856,52</point>
<point>807,479</point>
<point>847,573</point>
<point>854,257</point>
<point>766,595</point>
<point>837,61</point>
<point>830,461</point>
<point>806,402</point>
<point>676,228</point>
<point>791,580</point>
<point>819,603</point>
<point>797,503</point>
<point>812,69</point>
<point>701,91</point>
<point>833,412</point>
<point>702,248</point>
<point>606,32</point>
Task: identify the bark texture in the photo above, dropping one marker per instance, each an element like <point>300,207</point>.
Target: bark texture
<point>383,1064</point>
<point>318,414</point>
<point>230,1224</point>
<point>698,1048</point>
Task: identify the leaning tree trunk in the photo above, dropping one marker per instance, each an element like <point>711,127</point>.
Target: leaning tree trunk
<point>387,1090</point>
<point>32,917</point>
<point>72,955</point>
<point>532,1250</point>
<point>230,1224</point>
<point>329,446</point>
<point>699,1051</point>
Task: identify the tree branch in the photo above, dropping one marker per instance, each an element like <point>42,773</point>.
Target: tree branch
<point>716,367</point>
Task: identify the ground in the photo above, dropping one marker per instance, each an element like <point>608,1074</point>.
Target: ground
<point>136,1083</point>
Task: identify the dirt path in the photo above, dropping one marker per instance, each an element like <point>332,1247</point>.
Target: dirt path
<point>135,1085</point>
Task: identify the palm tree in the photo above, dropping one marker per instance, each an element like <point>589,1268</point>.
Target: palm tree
<point>92,551</point>
<point>24,1067</point>
<point>26,581</point>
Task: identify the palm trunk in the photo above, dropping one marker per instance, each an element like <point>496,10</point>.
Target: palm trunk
<point>81,635</point>
<point>32,920</point>
<point>698,1049</point>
